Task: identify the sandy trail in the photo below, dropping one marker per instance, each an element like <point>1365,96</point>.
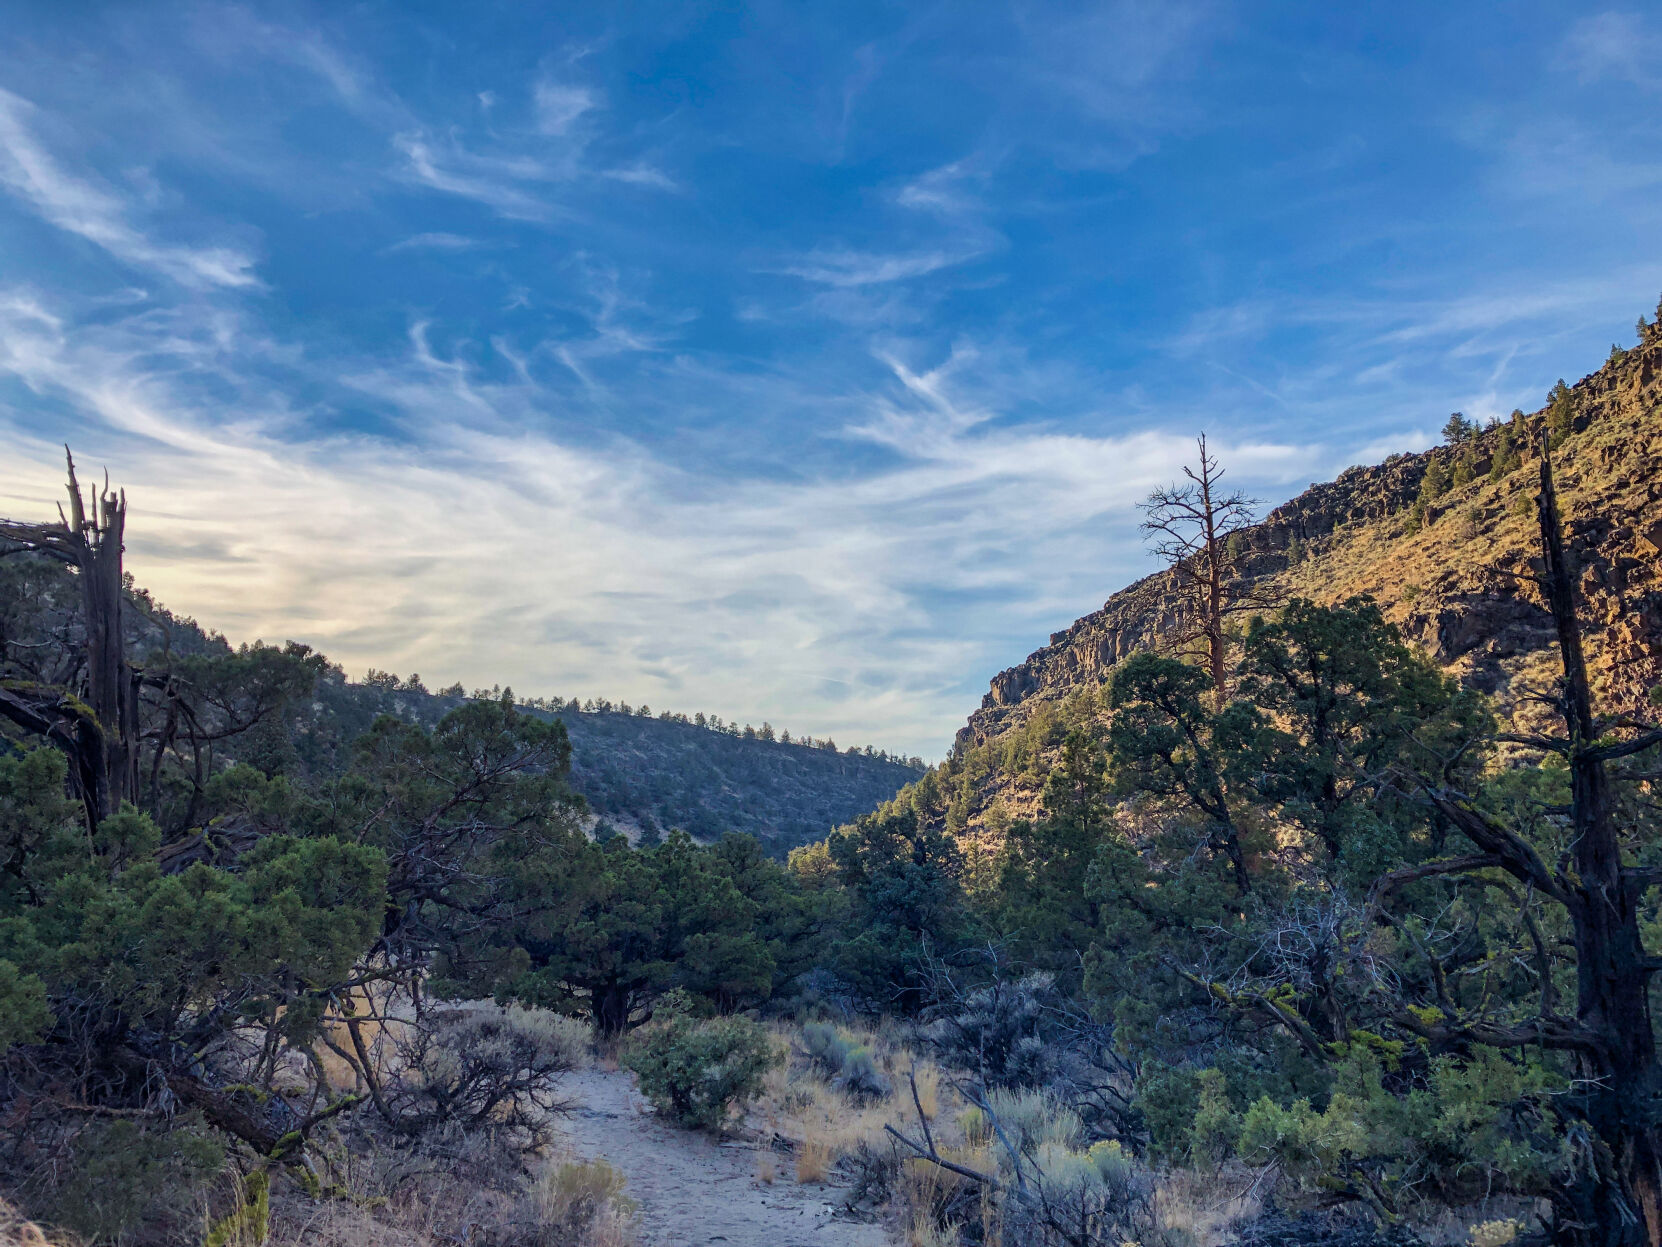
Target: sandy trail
<point>692,1190</point>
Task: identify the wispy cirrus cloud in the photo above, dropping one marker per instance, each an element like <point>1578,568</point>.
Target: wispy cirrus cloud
<point>527,173</point>
<point>512,186</point>
<point>436,240</point>
<point>807,367</point>
<point>831,601</point>
<point>80,206</point>
<point>867,268</point>
<point>558,105</point>
<point>1615,45</point>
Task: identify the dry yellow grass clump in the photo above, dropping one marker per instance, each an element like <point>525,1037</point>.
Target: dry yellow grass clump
<point>814,1156</point>
<point>824,1123</point>
<point>17,1231</point>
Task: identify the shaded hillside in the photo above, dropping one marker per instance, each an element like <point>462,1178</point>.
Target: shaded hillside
<point>645,776</point>
<point>1453,572</point>
<point>654,775</point>
<point>641,775</point>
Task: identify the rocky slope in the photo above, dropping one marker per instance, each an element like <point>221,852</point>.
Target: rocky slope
<point>1457,582</point>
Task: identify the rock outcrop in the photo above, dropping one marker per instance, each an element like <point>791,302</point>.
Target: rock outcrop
<point>1457,579</point>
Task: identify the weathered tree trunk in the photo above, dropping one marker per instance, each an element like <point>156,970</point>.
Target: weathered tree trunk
<point>103,749</point>
<point>1212,586</point>
<point>110,689</point>
<point>1623,1104</point>
<point>611,1010</point>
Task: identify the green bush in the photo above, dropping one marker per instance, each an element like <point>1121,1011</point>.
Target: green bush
<point>1168,1097</point>
<point>827,1046</point>
<point>1468,1127</point>
<point>1217,1127</point>
<point>1034,1119</point>
<point>123,1176</point>
<point>859,1077</point>
<point>23,1012</point>
<point>698,1071</point>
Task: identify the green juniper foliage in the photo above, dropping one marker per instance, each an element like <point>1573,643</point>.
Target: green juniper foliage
<point>698,1070</point>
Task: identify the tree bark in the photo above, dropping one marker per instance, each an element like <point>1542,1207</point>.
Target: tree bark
<point>1623,1104</point>
<point>611,1010</point>
<point>91,543</point>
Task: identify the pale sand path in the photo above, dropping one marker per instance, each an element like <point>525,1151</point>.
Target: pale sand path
<point>693,1191</point>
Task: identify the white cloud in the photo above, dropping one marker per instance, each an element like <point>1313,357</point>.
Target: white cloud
<point>941,190</point>
<point>559,105</point>
<point>642,175</point>
<point>866,268</point>
<point>516,174</point>
<point>1615,45</point>
<point>82,207</point>
<point>858,605</point>
<point>436,241</point>
<point>505,184</point>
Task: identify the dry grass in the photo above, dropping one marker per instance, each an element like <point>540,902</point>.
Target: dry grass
<point>800,1104</point>
<point>1496,1233</point>
<point>15,1231</point>
<point>580,1203</point>
<point>922,1192</point>
<point>814,1157</point>
<point>569,1204</point>
<point>1206,1207</point>
<point>767,1169</point>
<point>923,1232</point>
<point>928,1079</point>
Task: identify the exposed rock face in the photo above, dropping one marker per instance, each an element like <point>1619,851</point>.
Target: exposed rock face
<point>1460,586</point>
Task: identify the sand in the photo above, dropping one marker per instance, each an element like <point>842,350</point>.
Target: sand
<point>693,1190</point>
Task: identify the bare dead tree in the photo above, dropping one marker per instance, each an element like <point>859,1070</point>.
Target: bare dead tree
<point>1189,525</point>
<point>1617,1200</point>
<point>100,732</point>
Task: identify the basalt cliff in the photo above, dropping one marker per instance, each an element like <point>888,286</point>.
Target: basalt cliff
<point>1454,572</point>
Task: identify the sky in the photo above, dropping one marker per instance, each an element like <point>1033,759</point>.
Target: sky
<point>799,363</point>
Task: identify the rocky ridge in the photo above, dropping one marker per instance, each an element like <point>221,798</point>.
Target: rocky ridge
<point>1460,585</point>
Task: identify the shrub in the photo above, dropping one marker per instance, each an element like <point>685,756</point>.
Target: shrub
<point>1473,1127</point>
<point>580,1204</point>
<point>1099,1198</point>
<point>490,1063</point>
<point>124,1177</point>
<point>850,1065</point>
<point>24,1016</point>
<point>826,1046</point>
<point>695,1071</point>
<point>859,1078</point>
<point>1217,1127</point>
<point>1035,1119</point>
<point>999,1033</point>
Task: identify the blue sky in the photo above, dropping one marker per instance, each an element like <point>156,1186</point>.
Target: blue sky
<point>791,362</point>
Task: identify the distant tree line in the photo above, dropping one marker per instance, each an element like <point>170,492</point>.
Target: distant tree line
<point>390,682</point>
